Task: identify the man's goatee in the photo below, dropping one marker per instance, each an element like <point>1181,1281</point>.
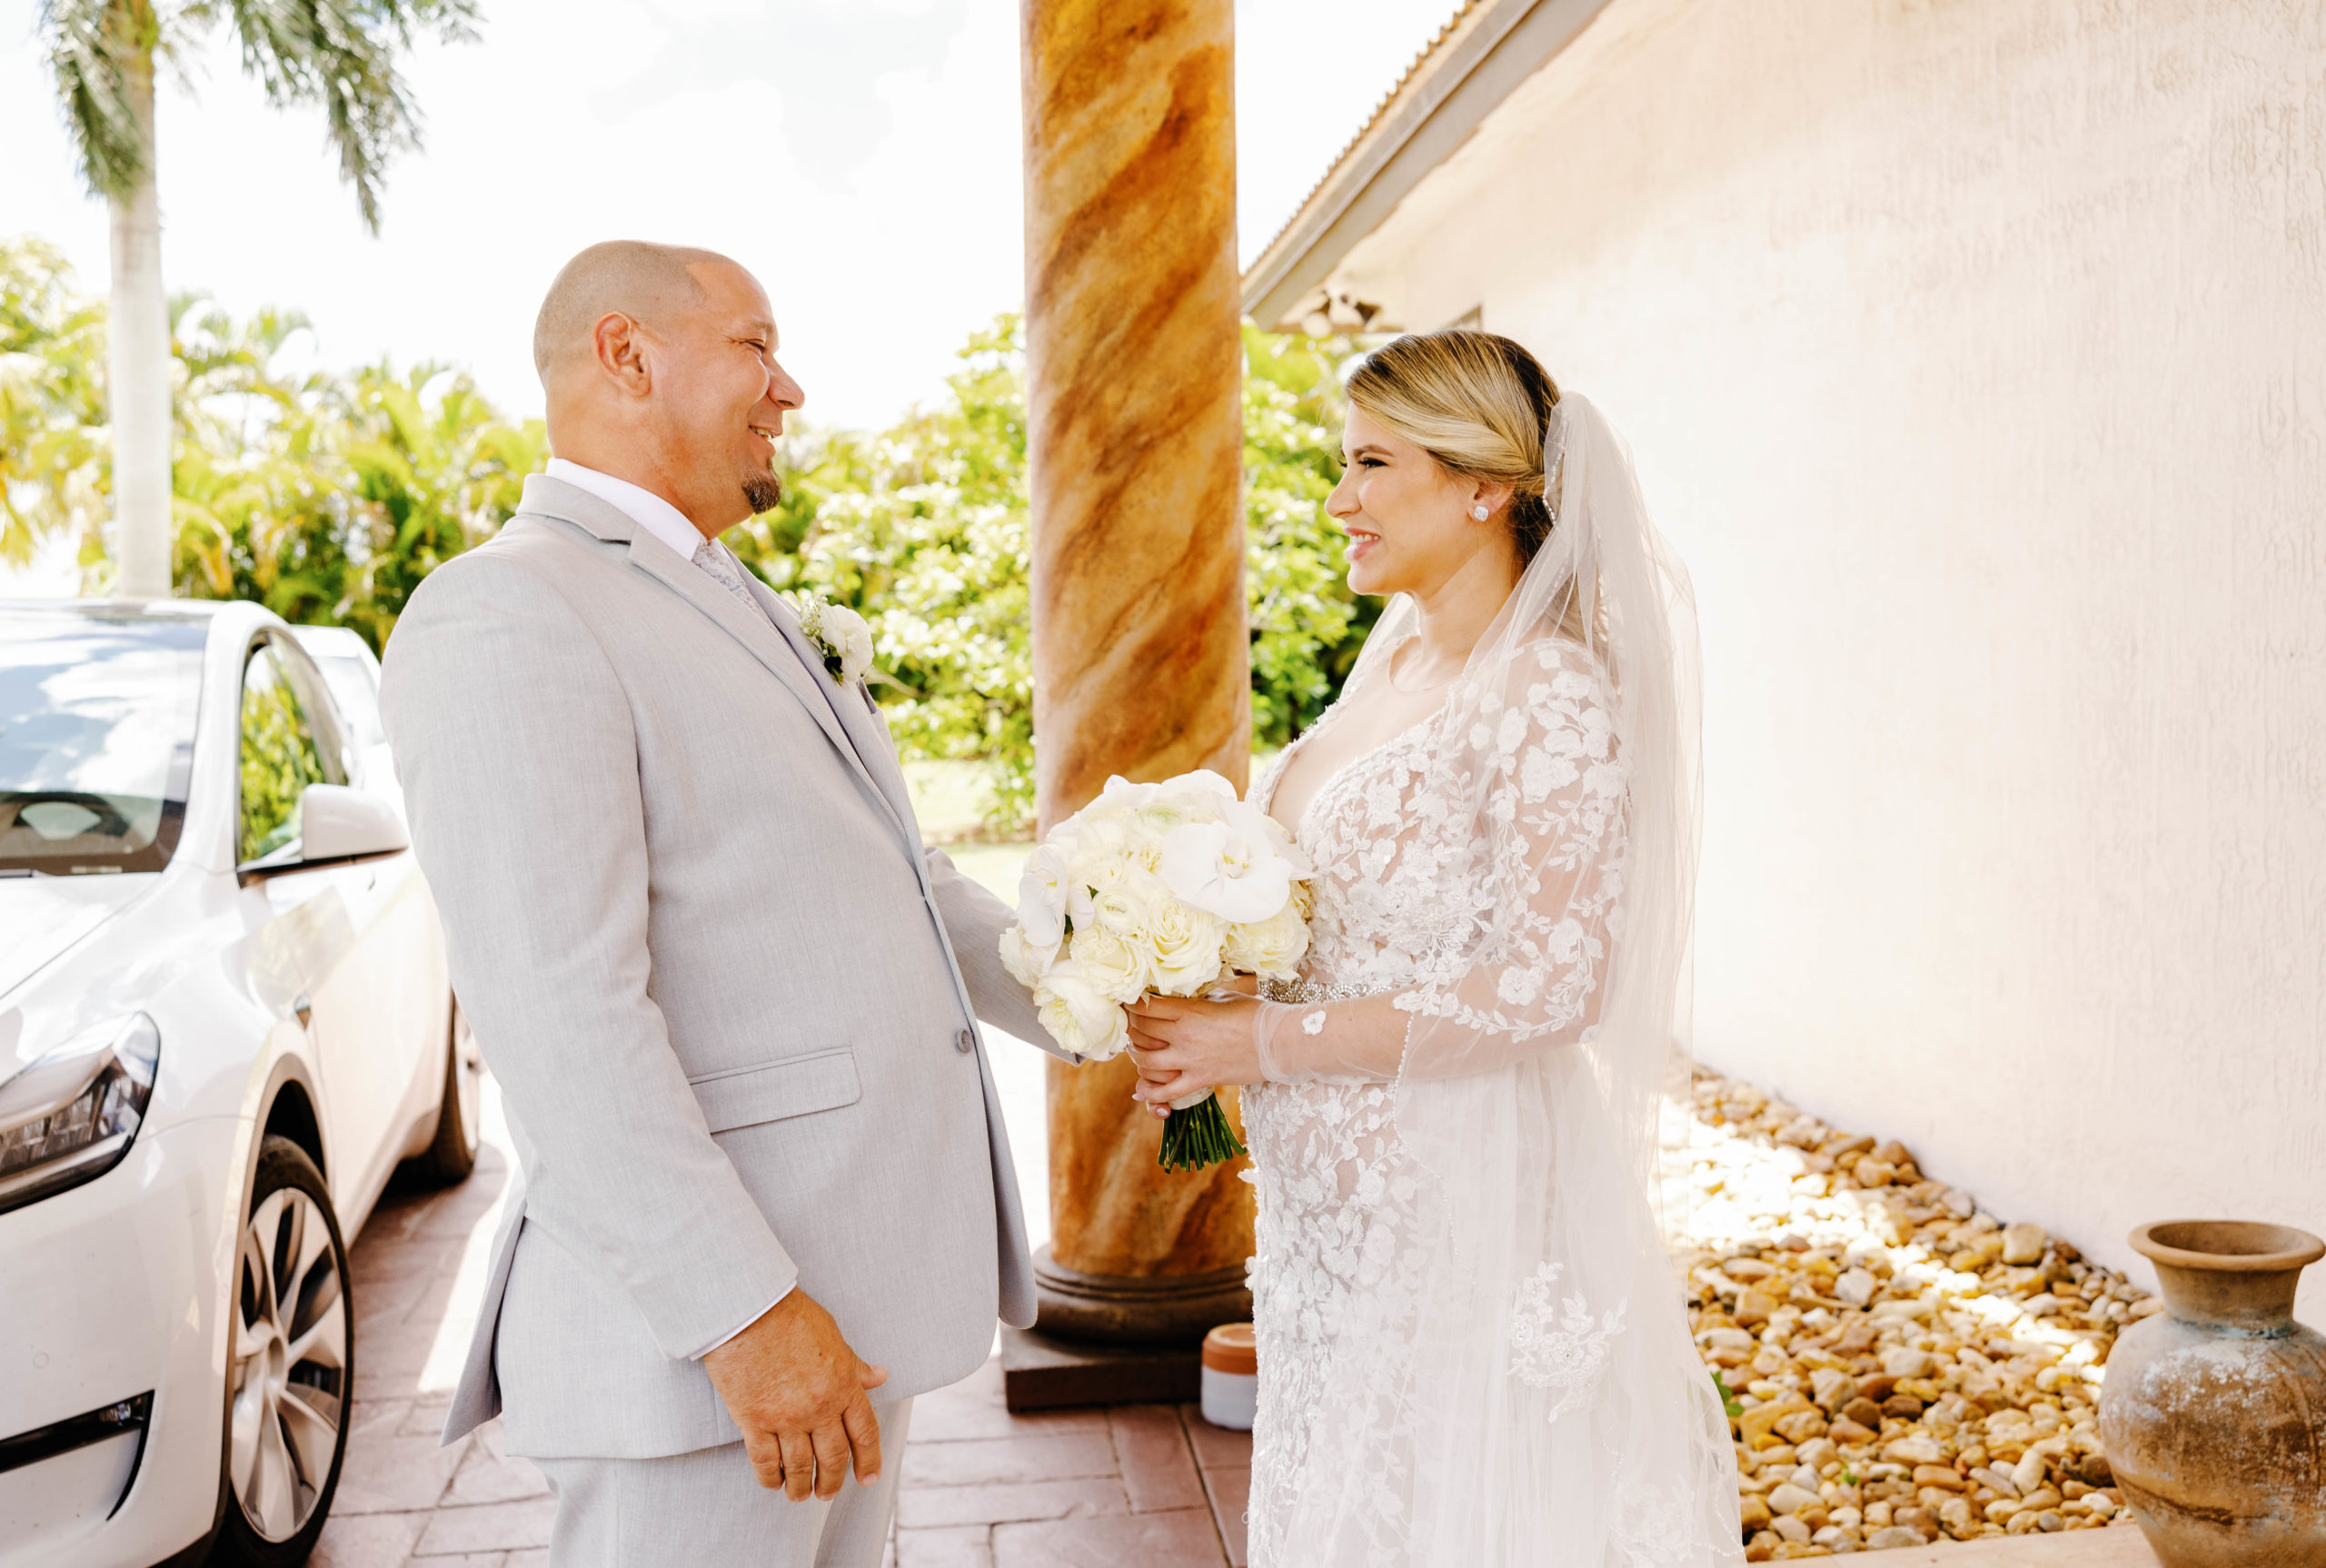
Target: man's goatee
<point>764,492</point>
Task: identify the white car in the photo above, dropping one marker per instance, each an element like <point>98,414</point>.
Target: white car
<point>224,1021</point>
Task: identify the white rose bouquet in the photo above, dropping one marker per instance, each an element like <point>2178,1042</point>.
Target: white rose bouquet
<point>1164,888</point>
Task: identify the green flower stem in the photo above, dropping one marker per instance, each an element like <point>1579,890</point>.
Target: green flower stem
<point>1197,1139</point>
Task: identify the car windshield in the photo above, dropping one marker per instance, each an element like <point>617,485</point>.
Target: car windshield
<point>97,735</point>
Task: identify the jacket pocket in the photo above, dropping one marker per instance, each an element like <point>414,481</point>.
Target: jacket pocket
<point>798,1086</point>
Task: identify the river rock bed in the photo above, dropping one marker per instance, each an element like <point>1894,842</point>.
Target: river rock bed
<point>1902,1367</point>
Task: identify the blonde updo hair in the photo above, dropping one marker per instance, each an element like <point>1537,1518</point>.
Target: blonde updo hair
<point>1475,402</point>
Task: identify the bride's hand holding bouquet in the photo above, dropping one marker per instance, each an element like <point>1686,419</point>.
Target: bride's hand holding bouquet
<point>1183,1046</point>
<point>1167,891</point>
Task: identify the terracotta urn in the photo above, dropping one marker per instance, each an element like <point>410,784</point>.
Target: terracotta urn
<point>2214,1410</point>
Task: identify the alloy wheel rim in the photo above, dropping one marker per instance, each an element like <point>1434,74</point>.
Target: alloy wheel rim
<point>289,1365</point>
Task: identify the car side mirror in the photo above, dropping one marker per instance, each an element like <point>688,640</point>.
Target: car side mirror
<point>337,827</point>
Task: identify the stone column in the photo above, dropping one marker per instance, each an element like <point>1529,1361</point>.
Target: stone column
<point>1142,659</point>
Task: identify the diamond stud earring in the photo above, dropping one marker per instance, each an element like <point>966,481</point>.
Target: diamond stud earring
<point>1479,512</point>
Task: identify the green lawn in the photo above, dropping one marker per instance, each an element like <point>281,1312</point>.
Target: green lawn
<point>995,865</point>
<point>951,798</point>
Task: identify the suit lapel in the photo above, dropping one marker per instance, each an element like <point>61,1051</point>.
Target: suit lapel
<point>850,706</point>
<point>785,653</point>
<point>861,717</point>
<point>761,640</point>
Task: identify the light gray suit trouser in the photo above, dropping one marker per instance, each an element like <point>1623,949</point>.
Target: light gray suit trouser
<point>707,1510</point>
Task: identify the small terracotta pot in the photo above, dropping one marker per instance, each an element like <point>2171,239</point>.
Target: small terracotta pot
<point>2214,1410</point>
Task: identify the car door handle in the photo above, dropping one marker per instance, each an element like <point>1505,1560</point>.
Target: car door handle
<point>302,1007</point>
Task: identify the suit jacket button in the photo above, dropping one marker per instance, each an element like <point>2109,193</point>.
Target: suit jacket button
<point>964,1041</point>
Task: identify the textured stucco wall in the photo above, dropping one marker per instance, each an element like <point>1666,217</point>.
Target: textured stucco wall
<point>1974,355</point>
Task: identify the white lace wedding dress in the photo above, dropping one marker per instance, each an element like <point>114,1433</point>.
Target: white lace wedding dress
<point>1355,1335</point>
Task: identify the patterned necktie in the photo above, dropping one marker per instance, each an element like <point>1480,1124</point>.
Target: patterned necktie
<point>713,558</point>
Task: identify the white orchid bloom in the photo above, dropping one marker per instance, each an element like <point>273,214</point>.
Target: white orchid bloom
<point>1227,870</point>
<point>1248,819</point>
<point>1042,898</point>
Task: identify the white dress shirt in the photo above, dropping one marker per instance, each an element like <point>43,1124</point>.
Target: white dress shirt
<point>668,524</point>
<point>640,505</point>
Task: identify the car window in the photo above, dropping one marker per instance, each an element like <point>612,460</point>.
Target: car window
<point>290,741</point>
<point>350,679</point>
<point>97,708</point>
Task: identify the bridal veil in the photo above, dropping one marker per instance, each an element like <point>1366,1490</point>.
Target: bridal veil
<point>1553,1410</point>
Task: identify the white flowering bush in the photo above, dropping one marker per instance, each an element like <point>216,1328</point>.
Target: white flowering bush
<point>1165,889</point>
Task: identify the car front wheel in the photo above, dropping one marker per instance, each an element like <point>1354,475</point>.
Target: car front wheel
<point>293,1365</point>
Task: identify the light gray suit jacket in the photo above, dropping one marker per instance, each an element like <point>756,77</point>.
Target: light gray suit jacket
<point>730,999</point>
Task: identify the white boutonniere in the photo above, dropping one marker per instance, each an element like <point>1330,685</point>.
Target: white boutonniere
<point>839,633</point>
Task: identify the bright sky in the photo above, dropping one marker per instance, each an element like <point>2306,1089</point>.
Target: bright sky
<point>861,156</point>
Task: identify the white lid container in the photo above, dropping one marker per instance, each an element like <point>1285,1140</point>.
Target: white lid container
<point>1231,1382</point>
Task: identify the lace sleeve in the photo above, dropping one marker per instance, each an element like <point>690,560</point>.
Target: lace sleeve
<point>1540,894</point>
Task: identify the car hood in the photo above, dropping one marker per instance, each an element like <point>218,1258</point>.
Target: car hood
<point>40,916</point>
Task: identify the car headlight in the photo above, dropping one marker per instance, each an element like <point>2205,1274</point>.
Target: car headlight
<point>69,1117</point>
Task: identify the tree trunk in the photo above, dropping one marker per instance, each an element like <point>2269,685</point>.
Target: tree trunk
<point>138,366</point>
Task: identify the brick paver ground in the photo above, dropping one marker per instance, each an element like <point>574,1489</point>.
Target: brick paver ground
<point>1153,1486</point>
<point>1136,1486</point>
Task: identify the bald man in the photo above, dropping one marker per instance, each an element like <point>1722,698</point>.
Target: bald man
<point>730,1000</point>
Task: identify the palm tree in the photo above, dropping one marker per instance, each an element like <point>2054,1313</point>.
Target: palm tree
<point>340,54</point>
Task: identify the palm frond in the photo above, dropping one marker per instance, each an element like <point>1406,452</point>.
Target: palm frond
<point>342,55</point>
<point>52,399</point>
<point>97,49</point>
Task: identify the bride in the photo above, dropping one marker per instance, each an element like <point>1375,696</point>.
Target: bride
<point>1472,1348</point>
